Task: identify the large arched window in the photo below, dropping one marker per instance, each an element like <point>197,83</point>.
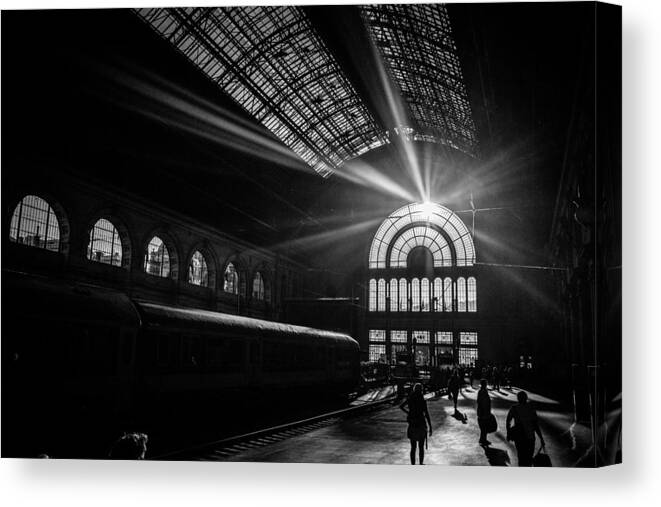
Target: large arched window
<point>472,294</point>
<point>428,225</point>
<point>198,273</point>
<point>258,287</point>
<point>393,294</point>
<point>438,295</point>
<point>157,258</point>
<point>403,295</point>
<point>34,224</point>
<point>231,279</point>
<point>381,295</point>
<point>372,295</point>
<point>461,294</point>
<point>105,246</point>
<point>447,294</point>
<point>415,295</point>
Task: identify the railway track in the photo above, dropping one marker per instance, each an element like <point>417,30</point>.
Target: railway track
<point>220,450</point>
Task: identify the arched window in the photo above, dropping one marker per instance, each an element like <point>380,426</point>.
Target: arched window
<point>258,287</point>
<point>393,294</point>
<point>447,294</point>
<point>438,295</point>
<point>198,274</point>
<point>461,294</point>
<point>231,279</point>
<point>415,295</point>
<point>34,224</point>
<point>372,295</point>
<point>157,258</point>
<point>403,295</point>
<point>424,293</point>
<point>472,294</point>
<point>105,246</point>
<point>381,295</point>
<point>420,224</point>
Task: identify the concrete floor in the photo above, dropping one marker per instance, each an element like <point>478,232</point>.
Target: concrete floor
<point>380,437</point>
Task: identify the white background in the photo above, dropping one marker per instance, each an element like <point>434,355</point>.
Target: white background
<point>636,482</point>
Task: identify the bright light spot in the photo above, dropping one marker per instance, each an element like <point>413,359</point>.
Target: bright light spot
<point>428,210</point>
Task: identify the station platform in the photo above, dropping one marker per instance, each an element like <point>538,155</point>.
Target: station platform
<point>380,437</point>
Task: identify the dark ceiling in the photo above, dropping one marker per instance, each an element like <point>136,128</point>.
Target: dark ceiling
<point>66,106</point>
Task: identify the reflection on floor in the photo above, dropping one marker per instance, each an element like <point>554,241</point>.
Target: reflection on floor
<point>380,437</point>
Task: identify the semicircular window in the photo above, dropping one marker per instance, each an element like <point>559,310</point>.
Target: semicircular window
<point>105,246</point>
<point>198,274</point>
<point>157,258</point>
<point>34,224</point>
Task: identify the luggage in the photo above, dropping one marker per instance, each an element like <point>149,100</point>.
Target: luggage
<point>492,424</point>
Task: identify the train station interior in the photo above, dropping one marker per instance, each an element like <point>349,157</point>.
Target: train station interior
<point>248,232</point>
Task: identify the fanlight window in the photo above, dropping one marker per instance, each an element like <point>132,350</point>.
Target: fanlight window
<point>420,224</point>
<point>198,274</point>
<point>34,224</point>
<point>258,287</point>
<point>157,258</point>
<point>231,279</point>
<point>105,246</point>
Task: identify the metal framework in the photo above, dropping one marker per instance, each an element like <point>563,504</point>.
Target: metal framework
<point>428,225</point>
<point>273,63</point>
<point>416,45</point>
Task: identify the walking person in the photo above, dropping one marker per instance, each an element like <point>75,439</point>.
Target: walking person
<point>418,419</point>
<point>524,429</point>
<point>483,411</point>
<point>454,384</point>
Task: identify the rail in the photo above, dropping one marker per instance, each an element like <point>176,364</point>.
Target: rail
<point>222,449</point>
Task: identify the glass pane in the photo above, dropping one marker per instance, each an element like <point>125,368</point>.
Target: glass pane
<point>157,258</point>
<point>231,279</point>
<point>34,224</point>
<point>104,245</point>
<point>197,270</point>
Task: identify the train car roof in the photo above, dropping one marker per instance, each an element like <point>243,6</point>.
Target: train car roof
<point>157,315</point>
<point>32,296</point>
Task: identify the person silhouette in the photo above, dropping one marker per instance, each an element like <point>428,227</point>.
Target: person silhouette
<point>524,429</point>
<point>483,411</point>
<point>454,384</point>
<point>418,419</point>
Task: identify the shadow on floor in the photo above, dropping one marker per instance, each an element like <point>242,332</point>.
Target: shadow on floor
<point>496,457</point>
<point>460,417</point>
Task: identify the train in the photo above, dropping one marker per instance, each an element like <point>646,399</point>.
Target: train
<point>73,350</point>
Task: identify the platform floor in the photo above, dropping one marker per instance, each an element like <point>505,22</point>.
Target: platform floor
<point>380,437</point>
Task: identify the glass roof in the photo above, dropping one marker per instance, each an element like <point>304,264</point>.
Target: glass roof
<point>415,43</point>
<point>419,224</point>
<point>273,63</point>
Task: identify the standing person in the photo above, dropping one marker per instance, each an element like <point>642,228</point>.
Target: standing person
<point>454,384</point>
<point>417,413</point>
<point>525,427</point>
<point>483,411</point>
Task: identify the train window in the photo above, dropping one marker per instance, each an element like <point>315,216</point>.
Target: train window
<point>226,355</point>
<point>105,245</point>
<point>190,352</point>
<point>254,352</point>
<point>127,348</point>
<point>34,224</point>
<point>94,351</point>
<point>157,258</point>
<point>165,348</point>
